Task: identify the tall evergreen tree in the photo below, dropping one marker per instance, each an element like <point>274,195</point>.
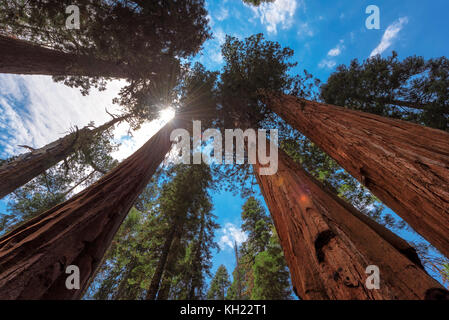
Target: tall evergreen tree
<point>414,89</point>
<point>327,242</point>
<point>261,271</point>
<point>182,209</point>
<point>219,284</point>
<point>270,273</point>
<point>78,231</point>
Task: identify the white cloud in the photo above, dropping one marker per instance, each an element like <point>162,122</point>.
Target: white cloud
<point>389,36</point>
<point>35,111</point>
<point>326,63</point>
<point>279,12</point>
<point>334,52</point>
<point>212,48</point>
<point>222,14</point>
<point>329,62</point>
<point>231,233</point>
<point>337,50</point>
<point>305,30</point>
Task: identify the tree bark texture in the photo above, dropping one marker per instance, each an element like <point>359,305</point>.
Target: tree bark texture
<point>34,257</point>
<point>24,57</point>
<point>404,164</point>
<point>328,245</point>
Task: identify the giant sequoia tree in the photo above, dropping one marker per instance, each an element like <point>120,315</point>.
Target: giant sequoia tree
<point>34,256</point>
<point>403,164</point>
<point>328,244</point>
<point>255,67</point>
<point>387,156</point>
<point>131,39</point>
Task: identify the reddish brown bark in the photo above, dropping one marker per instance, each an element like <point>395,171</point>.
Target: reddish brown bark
<point>23,57</point>
<point>25,167</point>
<point>34,257</point>
<point>405,165</point>
<point>328,245</point>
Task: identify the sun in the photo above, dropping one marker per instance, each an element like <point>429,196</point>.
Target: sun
<point>167,114</point>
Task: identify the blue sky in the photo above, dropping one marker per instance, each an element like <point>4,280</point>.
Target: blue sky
<point>35,111</point>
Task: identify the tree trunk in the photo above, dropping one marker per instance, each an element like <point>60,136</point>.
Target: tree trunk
<point>24,57</point>
<point>27,166</point>
<point>196,265</point>
<point>405,165</point>
<point>164,290</point>
<point>156,280</point>
<point>328,246</point>
<point>34,257</point>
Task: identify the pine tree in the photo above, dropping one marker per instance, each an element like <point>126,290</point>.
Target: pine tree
<point>261,271</point>
<point>270,272</point>
<point>413,89</point>
<point>219,284</point>
<point>184,209</point>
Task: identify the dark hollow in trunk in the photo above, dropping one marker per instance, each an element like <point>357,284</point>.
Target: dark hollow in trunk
<point>328,245</point>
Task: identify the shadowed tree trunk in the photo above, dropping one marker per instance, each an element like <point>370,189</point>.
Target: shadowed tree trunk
<point>328,244</point>
<point>34,257</point>
<point>164,290</point>
<point>25,167</point>
<point>157,276</point>
<point>405,165</point>
<point>24,57</point>
<point>196,263</point>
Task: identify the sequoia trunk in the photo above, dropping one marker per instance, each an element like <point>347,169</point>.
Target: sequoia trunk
<point>328,244</point>
<point>34,257</point>
<point>25,167</point>
<point>24,57</point>
<point>405,165</point>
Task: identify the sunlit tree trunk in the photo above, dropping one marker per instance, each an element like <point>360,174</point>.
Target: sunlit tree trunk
<point>34,257</point>
<point>24,57</point>
<point>328,244</point>
<point>25,167</point>
<point>405,165</point>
